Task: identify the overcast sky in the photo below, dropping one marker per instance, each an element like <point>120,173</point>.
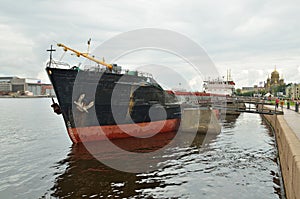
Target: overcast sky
<point>249,37</point>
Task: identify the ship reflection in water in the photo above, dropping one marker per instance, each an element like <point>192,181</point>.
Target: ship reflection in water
<point>233,164</point>
<point>86,176</point>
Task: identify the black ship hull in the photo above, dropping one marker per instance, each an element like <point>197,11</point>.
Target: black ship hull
<point>103,105</point>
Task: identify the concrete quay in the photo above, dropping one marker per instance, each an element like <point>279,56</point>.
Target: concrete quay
<point>200,120</point>
<point>287,132</point>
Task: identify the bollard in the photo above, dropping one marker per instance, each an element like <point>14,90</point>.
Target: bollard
<point>288,105</point>
<point>297,107</point>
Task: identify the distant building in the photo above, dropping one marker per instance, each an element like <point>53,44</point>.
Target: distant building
<point>275,81</point>
<point>247,89</point>
<point>255,89</point>
<point>293,91</point>
<point>15,84</point>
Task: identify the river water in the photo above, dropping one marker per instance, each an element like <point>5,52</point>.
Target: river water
<point>37,160</point>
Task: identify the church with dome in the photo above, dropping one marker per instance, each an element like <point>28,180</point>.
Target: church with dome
<point>274,82</point>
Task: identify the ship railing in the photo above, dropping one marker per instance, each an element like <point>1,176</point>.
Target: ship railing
<point>144,74</point>
<point>99,68</point>
<point>57,64</point>
<point>93,68</point>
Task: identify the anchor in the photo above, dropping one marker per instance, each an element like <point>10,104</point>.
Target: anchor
<point>56,107</point>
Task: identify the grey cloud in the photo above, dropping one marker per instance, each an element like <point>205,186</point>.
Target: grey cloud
<point>236,34</point>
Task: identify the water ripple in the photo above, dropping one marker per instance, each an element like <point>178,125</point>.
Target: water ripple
<point>36,162</point>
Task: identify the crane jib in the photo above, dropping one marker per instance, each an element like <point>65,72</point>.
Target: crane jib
<point>66,48</point>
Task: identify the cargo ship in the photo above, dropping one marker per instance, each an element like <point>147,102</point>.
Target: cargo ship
<point>106,102</point>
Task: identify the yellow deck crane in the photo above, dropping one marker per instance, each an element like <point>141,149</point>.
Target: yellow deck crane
<point>66,48</point>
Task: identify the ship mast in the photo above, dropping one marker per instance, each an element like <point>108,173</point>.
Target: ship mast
<point>51,50</point>
<point>66,48</point>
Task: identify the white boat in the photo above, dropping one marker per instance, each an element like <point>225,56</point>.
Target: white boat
<point>219,87</point>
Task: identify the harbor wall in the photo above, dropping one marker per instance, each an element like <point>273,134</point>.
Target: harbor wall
<point>289,154</point>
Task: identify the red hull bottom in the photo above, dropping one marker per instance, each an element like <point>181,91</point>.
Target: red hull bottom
<point>145,129</point>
